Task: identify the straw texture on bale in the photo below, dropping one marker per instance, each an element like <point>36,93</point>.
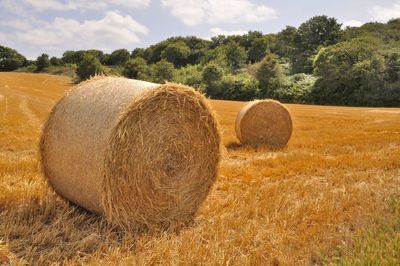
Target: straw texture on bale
<point>264,123</point>
<point>133,151</point>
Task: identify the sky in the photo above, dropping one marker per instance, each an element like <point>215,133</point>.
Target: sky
<point>34,27</point>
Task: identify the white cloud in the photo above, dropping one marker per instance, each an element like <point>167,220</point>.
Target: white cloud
<point>114,30</point>
<point>352,23</point>
<point>59,5</point>
<point>219,31</point>
<point>194,12</point>
<point>385,13</point>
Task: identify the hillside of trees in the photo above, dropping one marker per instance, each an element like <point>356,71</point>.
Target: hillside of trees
<point>317,63</point>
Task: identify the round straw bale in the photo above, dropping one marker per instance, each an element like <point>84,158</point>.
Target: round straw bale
<point>133,151</point>
<point>264,123</point>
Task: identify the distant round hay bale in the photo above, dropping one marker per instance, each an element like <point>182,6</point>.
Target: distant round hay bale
<point>264,123</point>
<point>133,151</point>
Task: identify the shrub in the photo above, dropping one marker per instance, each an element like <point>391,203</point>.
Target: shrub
<point>242,87</point>
<point>295,89</point>
<point>163,71</point>
<point>10,59</point>
<point>89,66</point>
<point>269,74</point>
<point>212,73</point>
<point>191,75</point>
<point>135,68</point>
<point>351,72</point>
<point>42,62</point>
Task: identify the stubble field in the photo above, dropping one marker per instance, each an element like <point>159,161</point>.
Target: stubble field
<point>298,205</point>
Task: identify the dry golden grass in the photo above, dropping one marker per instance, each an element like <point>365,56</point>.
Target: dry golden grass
<point>267,207</point>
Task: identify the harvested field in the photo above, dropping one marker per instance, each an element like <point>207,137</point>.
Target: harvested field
<point>290,206</point>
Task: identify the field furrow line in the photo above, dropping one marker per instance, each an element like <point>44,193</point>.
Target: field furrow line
<point>33,120</point>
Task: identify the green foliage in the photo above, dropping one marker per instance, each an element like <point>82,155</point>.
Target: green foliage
<point>198,48</point>
<point>138,52</point>
<point>238,87</point>
<point>190,75</point>
<point>393,67</point>
<point>354,73</point>
<point>357,66</point>
<point>212,73</point>
<point>89,66</point>
<point>217,55</point>
<point>295,89</point>
<point>236,56</point>
<point>75,57</point>
<point>54,61</point>
<point>176,53</point>
<point>163,71</point>
<point>135,68</point>
<point>315,32</point>
<point>69,57</point>
<point>10,59</point>
<point>42,62</point>
<point>257,50</point>
<point>269,75</point>
<point>285,43</point>
<point>387,32</point>
<point>118,57</point>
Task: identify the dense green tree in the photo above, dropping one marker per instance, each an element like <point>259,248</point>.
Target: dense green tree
<point>153,53</point>
<point>42,62</point>
<point>163,71</point>
<point>190,75</point>
<point>387,32</point>
<point>312,34</point>
<point>177,53</point>
<point>10,59</point>
<point>269,74</point>
<point>257,50</point>
<point>285,42</point>
<point>212,73</point>
<point>351,72</point>
<point>54,61</point>
<point>138,52</point>
<point>217,55</point>
<point>97,53</point>
<point>247,40</point>
<point>118,57</point>
<point>198,48</point>
<point>89,66</point>
<point>393,67</point>
<point>69,57</point>
<point>236,56</point>
<point>135,68</point>
<point>239,87</point>
<point>75,57</point>
<point>295,89</point>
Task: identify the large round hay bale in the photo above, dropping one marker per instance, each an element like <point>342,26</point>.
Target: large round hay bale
<point>133,151</point>
<point>264,123</point>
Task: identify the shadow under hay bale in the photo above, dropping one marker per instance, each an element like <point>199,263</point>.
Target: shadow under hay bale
<point>133,151</point>
<point>264,123</point>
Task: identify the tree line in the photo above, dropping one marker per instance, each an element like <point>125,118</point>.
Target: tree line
<point>318,62</point>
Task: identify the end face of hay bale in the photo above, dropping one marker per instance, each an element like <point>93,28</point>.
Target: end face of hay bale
<point>162,158</point>
<point>264,123</point>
